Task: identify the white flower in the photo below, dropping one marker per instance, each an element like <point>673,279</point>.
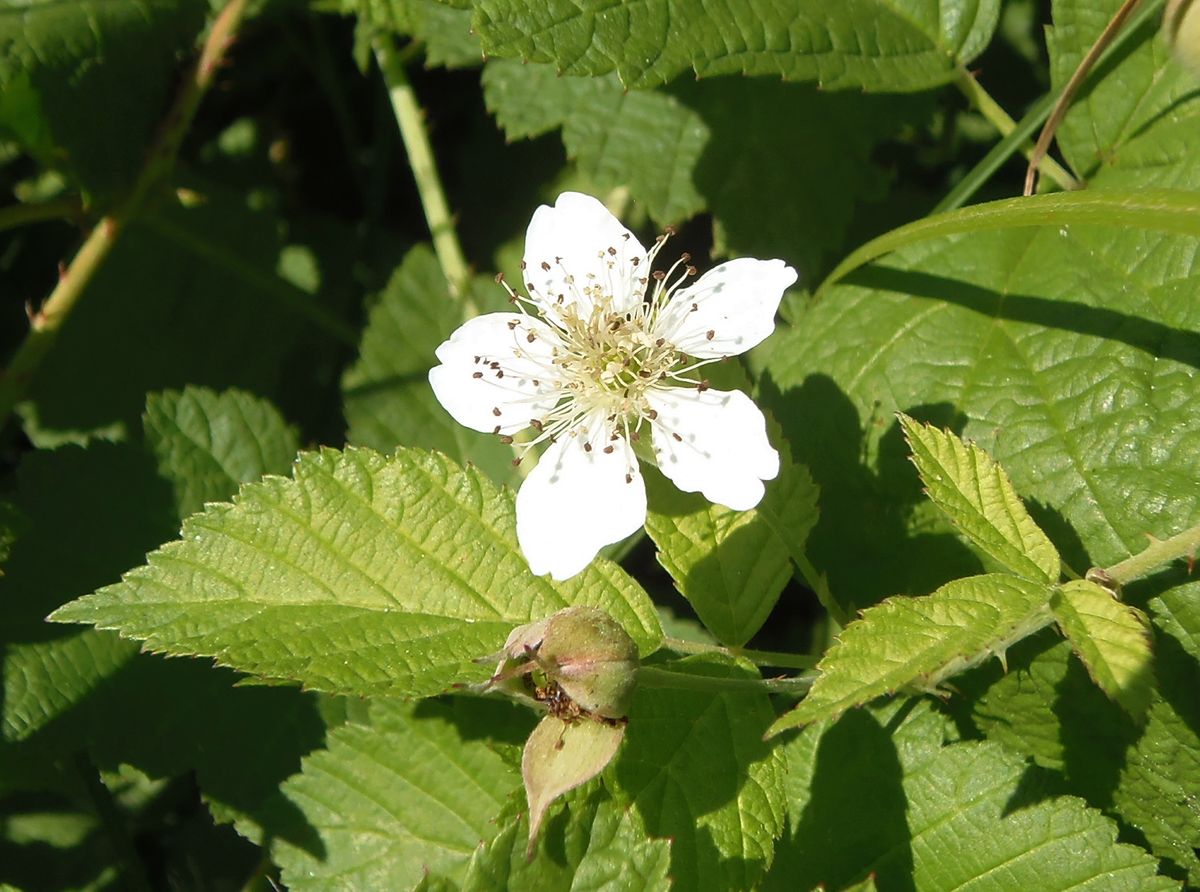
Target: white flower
<point>591,364</point>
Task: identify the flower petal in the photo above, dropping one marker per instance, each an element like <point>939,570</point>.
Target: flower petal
<point>492,375</point>
<point>728,310</point>
<point>576,248</point>
<point>575,501</point>
<point>713,442</point>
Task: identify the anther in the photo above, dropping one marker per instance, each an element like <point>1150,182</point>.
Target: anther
<point>496,411</point>
<point>678,438</point>
<point>629,478</point>
<point>513,324</point>
<point>694,308</point>
<point>500,373</point>
<point>636,261</point>
<point>703,385</point>
<point>477,375</point>
<point>506,439</point>
<point>608,450</point>
<point>536,424</point>
<point>712,333</point>
<point>516,462</point>
<point>499,278</point>
<point>635,436</point>
<point>685,256</point>
<point>587,447</point>
<point>493,365</point>
<point>612,252</point>
<point>478,359</point>
<point>659,275</point>
<point>669,230</point>
<point>522,264</point>
<point>496,429</point>
<point>652,414</point>
<point>531,337</point>
<point>530,287</point>
<point>545,266</point>
<point>660,342</point>
<point>690,271</point>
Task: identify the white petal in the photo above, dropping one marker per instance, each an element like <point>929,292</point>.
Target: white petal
<point>735,303</point>
<point>714,443</point>
<point>576,501</point>
<point>577,245</point>
<point>521,386</point>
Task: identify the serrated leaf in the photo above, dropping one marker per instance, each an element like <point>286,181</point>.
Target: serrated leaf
<point>908,642</point>
<point>1047,708</point>
<point>595,845</point>
<point>444,28</point>
<point>941,817</point>
<point>976,494</point>
<point>732,565</point>
<point>1111,638</point>
<point>83,84</point>
<point>713,145</point>
<point>363,575</point>
<point>871,45</point>
<point>1108,126</point>
<point>208,443</point>
<point>722,830</point>
<point>404,793</point>
<point>386,394</point>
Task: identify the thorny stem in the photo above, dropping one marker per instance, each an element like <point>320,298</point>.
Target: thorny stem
<point>24,214</point>
<point>1160,553</point>
<point>47,321</point>
<point>1068,94</point>
<point>411,121</point>
<point>659,677</point>
<point>999,118</point>
<point>757,657</point>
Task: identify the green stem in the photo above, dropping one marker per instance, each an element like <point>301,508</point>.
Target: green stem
<point>46,323</point>
<point>411,121</point>
<point>1160,553</point>
<point>23,214</point>
<point>658,677</point>
<point>113,823</point>
<point>757,657</point>
<point>999,118</point>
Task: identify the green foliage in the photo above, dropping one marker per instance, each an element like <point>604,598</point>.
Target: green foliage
<point>866,44</point>
<point>265,620</point>
<point>732,565</point>
<point>346,579</point>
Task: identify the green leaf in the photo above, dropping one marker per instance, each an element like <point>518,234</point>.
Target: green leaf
<point>867,44</point>
<point>723,828</point>
<point>714,145</point>
<point>363,575</point>
<point>594,845</point>
<point>943,817</point>
<point>386,393</point>
<point>1111,638</point>
<point>1046,707</point>
<point>908,642</point>
<point>403,793</point>
<point>444,28</point>
<point>208,443</point>
<point>646,140</point>
<point>83,84</point>
<point>732,565</point>
<point>1110,127</point>
<point>1155,210</point>
<point>978,497</point>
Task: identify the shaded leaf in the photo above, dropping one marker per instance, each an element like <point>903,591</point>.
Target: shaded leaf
<point>866,44</point>
<point>386,394</point>
<point>1111,638</point>
<point>978,497</point>
<point>403,793</point>
<point>732,565</point>
<point>723,828</point>
<point>361,575</point>
<point>919,642</point>
<point>208,443</point>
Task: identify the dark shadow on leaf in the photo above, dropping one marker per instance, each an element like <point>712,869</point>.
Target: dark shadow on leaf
<point>488,719</point>
<point>863,538</point>
<point>841,835</point>
<point>1061,533</point>
<point>1156,339</point>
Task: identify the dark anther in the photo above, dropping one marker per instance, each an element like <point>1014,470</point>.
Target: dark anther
<point>678,438</point>
<point>587,447</point>
<point>500,373</point>
<point>690,271</point>
<point>513,325</point>
<point>545,266</point>
<point>522,264</point>
<point>529,286</point>
<point>703,385</point>
<point>515,462</point>
<point>636,261</point>
<point>531,337</point>
<point>496,429</point>
<point>659,275</point>
<point>629,478</point>
<point>653,413</point>
<point>506,439</point>
<point>685,256</point>
<point>669,230</point>
<point>477,375</point>
<point>612,252</point>
<point>608,450</point>
<point>493,365</point>
<point>560,300</point>
<point>660,342</point>
<point>535,424</point>
<point>694,308</point>
<point>712,333</point>
<point>499,278</point>
<point>496,411</point>
<point>478,358</point>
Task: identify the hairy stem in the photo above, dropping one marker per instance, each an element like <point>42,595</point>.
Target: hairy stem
<point>160,161</point>
<point>411,121</point>
<point>659,677</point>
<point>757,657</point>
<point>999,118</point>
<point>1160,553</point>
